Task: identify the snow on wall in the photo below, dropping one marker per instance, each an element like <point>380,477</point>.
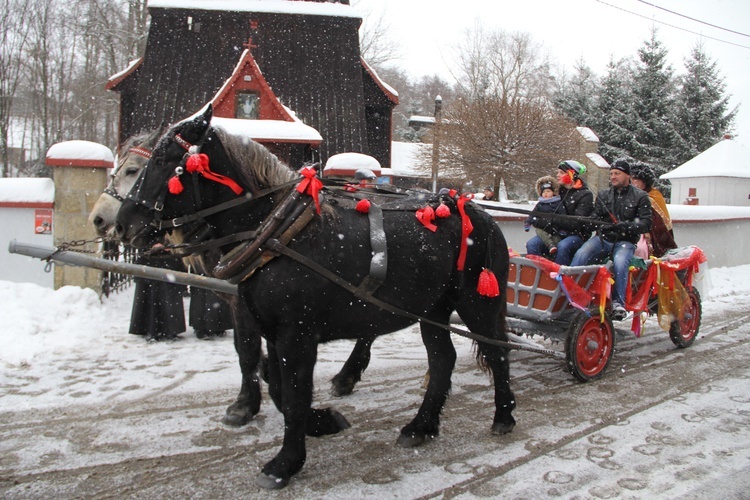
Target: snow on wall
<point>30,190</point>
<point>80,150</point>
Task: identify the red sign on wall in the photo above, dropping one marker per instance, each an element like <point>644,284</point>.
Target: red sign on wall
<point>43,221</point>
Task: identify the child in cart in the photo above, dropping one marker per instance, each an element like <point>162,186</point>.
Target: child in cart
<point>549,201</point>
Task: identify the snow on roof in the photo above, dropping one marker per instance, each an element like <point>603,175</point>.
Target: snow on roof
<point>598,160</point>
<point>270,130</point>
<point>707,212</point>
<point>27,190</point>
<point>422,119</point>
<point>80,152</point>
<point>726,158</point>
<point>587,134</point>
<point>130,65</point>
<point>264,6</point>
<point>405,158</point>
<point>393,94</point>
<point>352,161</point>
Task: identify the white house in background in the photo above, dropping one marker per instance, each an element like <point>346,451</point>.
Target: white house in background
<point>718,176</point>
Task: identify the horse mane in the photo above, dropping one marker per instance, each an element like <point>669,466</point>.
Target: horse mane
<point>254,161</point>
<point>147,139</point>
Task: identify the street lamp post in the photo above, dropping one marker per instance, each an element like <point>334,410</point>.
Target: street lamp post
<point>436,141</point>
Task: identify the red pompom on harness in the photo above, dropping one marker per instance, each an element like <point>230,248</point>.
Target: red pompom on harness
<point>363,206</point>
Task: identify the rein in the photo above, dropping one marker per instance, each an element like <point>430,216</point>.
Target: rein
<point>185,219</point>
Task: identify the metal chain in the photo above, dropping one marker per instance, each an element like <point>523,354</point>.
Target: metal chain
<point>67,245</point>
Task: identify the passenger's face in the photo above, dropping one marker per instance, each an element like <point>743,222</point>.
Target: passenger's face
<point>638,183</point>
<point>618,178</point>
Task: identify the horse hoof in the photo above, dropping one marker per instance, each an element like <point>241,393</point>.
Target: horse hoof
<point>500,428</point>
<point>410,441</point>
<point>236,419</point>
<point>338,392</point>
<point>340,420</point>
<point>270,482</point>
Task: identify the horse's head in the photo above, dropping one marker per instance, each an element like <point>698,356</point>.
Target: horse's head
<point>194,168</point>
<point>133,157</point>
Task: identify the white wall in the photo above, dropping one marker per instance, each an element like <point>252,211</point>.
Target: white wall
<point>19,224</point>
<point>734,191</point>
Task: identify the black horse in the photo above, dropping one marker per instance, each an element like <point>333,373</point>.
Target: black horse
<point>295,307</point>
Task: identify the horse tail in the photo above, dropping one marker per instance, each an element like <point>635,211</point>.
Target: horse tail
<point>495,259</point>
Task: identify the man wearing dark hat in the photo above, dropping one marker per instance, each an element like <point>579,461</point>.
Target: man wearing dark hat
<point>576,199</point>
<point>627,211</point>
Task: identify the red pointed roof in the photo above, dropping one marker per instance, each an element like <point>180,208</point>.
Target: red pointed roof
<point>247,77</point>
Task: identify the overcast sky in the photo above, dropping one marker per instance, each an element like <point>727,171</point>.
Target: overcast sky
<point>595,30</point>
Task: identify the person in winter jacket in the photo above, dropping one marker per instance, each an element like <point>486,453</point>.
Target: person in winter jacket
<point>549,202</point>
<point>627,213</point>
<point>661,237</point>
<point>577,200</point>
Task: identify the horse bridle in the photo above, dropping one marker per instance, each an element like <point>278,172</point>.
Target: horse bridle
<point>199,214</point>
<point>113,190</point>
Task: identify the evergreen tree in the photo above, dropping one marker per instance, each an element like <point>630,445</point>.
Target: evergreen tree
<point>614,114</point>
<point>656,139</point>
<point>702,117</point>
<point>574,97</point>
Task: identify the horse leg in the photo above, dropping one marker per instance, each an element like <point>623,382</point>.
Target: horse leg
<point>496,360</point>
<point>320,422</point>
<point>342,384</point>
<point>291,363</point>
<point>247,343</point>
<point>441,358</point>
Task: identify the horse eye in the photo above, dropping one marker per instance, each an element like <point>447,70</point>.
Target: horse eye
<point>132,171</point>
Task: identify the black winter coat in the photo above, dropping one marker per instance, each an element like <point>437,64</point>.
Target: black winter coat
<point>632,209</point>
<point>575,201</point>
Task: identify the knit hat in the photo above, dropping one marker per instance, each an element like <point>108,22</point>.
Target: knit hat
<point>621,165</point>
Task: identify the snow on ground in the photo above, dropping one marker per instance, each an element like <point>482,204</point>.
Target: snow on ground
<point>66,347</point>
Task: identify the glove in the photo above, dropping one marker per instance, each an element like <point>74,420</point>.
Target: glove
<point>608,232</point>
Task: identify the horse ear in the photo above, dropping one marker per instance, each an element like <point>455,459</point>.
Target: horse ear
<point>209,113</point>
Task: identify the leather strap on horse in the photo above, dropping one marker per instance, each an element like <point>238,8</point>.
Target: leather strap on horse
<point>361,293</point>
<point>179,221</point>
<point>379,246</point>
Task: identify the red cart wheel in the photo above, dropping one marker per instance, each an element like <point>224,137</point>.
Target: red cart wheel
<point>683,331</point>
<point>589,345</point>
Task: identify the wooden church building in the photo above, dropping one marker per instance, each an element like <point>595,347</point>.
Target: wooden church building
<point>292,67</point>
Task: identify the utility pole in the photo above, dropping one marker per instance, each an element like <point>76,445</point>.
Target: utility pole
<point>436,141</point>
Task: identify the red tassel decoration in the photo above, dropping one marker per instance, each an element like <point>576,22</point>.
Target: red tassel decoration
<point>488,286</point>
<point>363,206</point>
<point>174,185</point>
<point>443,211</point>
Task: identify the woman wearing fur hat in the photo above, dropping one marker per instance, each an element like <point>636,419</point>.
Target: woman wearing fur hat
<point>576,199</point>
<point>661,237</point>
<point>549,202</point>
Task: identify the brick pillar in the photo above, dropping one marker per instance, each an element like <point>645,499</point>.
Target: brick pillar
<point>80,174</point>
